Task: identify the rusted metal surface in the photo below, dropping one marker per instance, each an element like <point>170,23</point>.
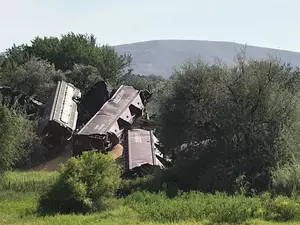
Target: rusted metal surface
<point>119,111</point>
<point>141,149</point>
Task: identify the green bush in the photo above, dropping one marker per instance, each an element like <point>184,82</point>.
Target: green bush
<point>129,186</point>
<point>286,180</point>
<point>85,184</point>
<point>17,139</point>
<point>281,208</point>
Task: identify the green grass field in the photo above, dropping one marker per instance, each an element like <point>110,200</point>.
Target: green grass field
<point>27,181</point>
<point>19,193</point>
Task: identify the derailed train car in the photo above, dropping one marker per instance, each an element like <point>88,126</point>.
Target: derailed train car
<point>60,115</point>
<point>68,116</point>
<point>140,152</point>
<point>104,130</point>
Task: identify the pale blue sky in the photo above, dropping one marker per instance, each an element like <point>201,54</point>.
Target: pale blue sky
<point>268,23</point>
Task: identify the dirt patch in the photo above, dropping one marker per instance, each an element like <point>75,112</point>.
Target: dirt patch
<point>117,151</point>
<point>54,164</point>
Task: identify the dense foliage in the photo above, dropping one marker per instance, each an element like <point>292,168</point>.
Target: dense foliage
<point>35,77</point>
<point>17,139</point>
<point>85,184</point>
<point>240,121</point>
<point>142,82</point>
<point>69,50</point>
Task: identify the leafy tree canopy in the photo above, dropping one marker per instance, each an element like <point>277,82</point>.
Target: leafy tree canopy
<point>69,50</point>
<point>35,77</point>
<point>238,120</point>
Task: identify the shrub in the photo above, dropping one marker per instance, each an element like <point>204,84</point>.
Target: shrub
<point>281,208</point>
<point>84,185</point>
<point>129,186</point>
<point>17,139</point>
<point>159,181</point>
<point>286,180</point>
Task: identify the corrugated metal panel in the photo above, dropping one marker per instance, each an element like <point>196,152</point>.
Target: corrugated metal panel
<point>61,108</point>
<point>141,149</point>
<point>118,111</point>
<point>67,106</point>
<point>66,112</point>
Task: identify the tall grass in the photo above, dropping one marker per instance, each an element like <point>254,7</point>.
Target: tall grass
<point>31,181</point>
<point>18,208</point>
<point>216,208</point>
<point>286,180</point>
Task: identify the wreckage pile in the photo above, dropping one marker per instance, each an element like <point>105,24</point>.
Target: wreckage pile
<point>103,121</point>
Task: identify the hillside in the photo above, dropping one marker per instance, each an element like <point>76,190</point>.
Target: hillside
<point>159,57</point>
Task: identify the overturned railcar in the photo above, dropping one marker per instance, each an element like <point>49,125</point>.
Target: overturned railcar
<point>140,153</point>
<point>60,115</point>
<point>104,130</point>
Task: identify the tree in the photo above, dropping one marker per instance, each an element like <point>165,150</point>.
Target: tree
<point>14,56</point>
<point>83,77</point>
<point>35,77</point>
<point>2,58</point>
<point>140,82</point>
<point>72,49</point>
<point>233,121</point>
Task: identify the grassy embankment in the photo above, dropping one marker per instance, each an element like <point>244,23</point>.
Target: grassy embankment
<point>19,193</point>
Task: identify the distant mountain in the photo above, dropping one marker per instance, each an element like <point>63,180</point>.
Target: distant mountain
<point>159,57</point>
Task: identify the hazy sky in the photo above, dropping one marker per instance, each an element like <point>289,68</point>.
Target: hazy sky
<point>269,23</point>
